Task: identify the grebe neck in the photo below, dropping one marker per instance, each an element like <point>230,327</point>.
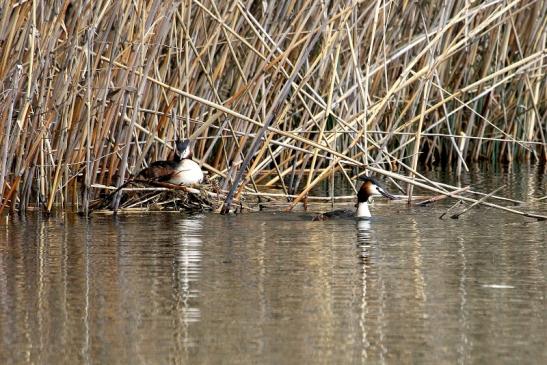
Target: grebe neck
<point>362,210</point>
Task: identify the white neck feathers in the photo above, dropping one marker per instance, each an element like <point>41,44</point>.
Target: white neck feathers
<point>362,210</point>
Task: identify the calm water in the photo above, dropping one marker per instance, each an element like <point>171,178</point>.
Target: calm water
<point>278,288</point>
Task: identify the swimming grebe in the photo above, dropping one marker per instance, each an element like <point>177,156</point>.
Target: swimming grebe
<point>370,187</point>
<point>181,170</point>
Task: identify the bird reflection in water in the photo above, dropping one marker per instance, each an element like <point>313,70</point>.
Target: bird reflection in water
<point>364,240</point>
<point>188,273</point>
<point>372,291</point>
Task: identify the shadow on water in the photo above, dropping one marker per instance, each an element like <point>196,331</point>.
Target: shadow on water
<point>279,288</point>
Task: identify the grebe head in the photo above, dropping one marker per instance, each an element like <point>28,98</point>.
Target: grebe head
<point>183,149</point>
<point>370,187</point>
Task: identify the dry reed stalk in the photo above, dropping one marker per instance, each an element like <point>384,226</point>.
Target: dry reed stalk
<point>481,201</point>
<point>272,91</point>
<point>457,215</point>
<point>442,197</point>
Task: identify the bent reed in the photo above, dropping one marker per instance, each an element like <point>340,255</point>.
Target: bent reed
<point>275,94</point>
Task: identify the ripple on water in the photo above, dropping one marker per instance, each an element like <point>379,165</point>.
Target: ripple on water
<point>279,288</point>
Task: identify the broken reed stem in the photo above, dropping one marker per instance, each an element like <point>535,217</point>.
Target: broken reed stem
<point>458,202</point>
<point>443,196</point>
<point>457,215</point>
<point>430,188</point>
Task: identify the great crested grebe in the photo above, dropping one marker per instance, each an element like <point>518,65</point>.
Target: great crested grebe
<point>370,187</point>
<point>181,170</point>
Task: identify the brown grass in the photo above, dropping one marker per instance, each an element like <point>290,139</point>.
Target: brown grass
<point>280,96</point>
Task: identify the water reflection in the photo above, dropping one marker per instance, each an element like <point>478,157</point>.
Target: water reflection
<point>364,244</point>
<point>277,288</point>
<point>188,271</point>
<point>463,320</point>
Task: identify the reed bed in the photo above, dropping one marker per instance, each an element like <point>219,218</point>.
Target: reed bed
<point>277,95</point>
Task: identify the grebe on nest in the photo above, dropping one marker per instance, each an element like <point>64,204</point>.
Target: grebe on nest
<point>181,170</point>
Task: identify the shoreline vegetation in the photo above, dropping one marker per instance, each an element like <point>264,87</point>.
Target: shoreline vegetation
<point>278,97</point>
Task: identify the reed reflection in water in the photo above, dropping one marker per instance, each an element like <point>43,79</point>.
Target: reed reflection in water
<point>100,290</point>
<point>275,288</point>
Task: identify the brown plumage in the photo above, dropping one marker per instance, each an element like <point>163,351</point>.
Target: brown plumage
<point>159,171</point>
<point>164,171</point>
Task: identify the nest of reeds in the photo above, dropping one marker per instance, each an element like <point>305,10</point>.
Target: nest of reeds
<point>153,196</point>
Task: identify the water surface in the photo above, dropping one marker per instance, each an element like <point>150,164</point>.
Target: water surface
<point>278,288</point>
